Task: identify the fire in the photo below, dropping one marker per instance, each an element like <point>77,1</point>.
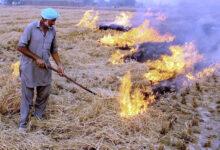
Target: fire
<point>138,35</point>
<point>124,19</point>
<point>132,104</point>
<point>190,76</point>
<point>204,73</point>
<point>181,61</point>
<point>89,19</point>
<point>15,68</point>
<point>117,56</point>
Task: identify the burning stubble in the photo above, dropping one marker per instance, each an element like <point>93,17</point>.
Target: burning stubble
<point>75,119</point>
<point>89,19</point>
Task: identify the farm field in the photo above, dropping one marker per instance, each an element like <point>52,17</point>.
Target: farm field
<point>187,118</point>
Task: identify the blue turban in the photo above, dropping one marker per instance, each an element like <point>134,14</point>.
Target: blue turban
<point>49,14</point>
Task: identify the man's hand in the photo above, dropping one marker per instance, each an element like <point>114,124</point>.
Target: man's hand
<point>59,64</point>
<point>60,69</point>
<point>41,63</point>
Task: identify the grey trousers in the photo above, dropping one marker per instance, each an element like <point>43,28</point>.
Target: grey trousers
<point>41,102</point>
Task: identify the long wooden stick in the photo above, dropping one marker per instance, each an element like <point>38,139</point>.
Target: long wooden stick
<point>68,78</point>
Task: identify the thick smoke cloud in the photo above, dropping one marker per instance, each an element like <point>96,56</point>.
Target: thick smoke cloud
<point>191,21</point>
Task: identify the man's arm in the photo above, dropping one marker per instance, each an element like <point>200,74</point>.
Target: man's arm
<point>58,62</point>
<point>23,44</point>
<point>40,62</point>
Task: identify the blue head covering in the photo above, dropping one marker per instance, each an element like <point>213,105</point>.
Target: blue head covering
<point>49,13</point>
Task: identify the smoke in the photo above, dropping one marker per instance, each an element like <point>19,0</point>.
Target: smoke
<point>190,21</point>
<point>200,23</point>
<point>194,21</point>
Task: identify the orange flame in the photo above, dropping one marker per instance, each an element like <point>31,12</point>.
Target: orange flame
<point>206,72</point>
<point>202,74</point>
<point>190,76</point>
<point>15,68</point>
<point>138,35</point>
<point>132,104</point>
<point>124,19</point>
<point>181,61</point>
<point>117,56</point>
<point>89,20</point>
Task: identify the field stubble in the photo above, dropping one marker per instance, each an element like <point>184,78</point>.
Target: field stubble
<point>76,119</point>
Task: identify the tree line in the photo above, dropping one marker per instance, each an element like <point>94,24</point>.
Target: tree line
<point>116,3</point>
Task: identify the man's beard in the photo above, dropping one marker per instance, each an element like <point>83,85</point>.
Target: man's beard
<point>47,24</point>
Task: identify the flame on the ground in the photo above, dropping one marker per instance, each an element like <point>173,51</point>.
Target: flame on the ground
<point>124,19</point>
<point>15,68</point>
<point>181,61</point>
<point>206,72</point>
<point>202,74</point>
<point>89,19</point>
<point>190,76</point>
<point>118,58</point>
<point>141,34</point>
<point>132,104</point>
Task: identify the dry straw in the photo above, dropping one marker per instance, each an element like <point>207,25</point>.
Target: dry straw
<point>78,120</point>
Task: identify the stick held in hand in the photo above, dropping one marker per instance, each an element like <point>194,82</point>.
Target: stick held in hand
<point>68,78</point>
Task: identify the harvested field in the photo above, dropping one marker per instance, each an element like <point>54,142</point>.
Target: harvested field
<point>188,118</point>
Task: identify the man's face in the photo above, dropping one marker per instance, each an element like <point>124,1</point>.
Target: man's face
<point>49,23</point>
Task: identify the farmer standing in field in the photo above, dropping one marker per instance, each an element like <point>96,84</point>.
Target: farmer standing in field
<point>37,43</point>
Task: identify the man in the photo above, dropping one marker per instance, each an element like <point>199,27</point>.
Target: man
<point>37,43</point>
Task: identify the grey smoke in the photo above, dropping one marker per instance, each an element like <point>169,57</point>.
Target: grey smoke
<point>190,21</point>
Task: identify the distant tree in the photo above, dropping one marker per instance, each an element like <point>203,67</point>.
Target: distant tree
<point>113,2</point>
<point>126,2</point>
<point>123,2</point>
<point>100,2</point>
<point>88,2</point>
<point>9,2</point>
